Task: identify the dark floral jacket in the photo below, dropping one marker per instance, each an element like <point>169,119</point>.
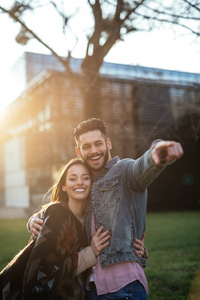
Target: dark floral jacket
<point>50,272</point>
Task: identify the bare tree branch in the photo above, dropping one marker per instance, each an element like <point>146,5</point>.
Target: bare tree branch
<point>137,4</point>
<point>17,19</point>
<point>175,16</point>
<point>118,10</point>
<point>95,38</point>
<point>192,5</point>
<point>175,22</point>
<point>113,19</point>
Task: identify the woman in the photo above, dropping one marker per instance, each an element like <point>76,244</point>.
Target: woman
<point>60,252</point>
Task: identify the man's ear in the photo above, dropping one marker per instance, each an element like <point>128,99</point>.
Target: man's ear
<point>78,152</point>
<point>109,143</point>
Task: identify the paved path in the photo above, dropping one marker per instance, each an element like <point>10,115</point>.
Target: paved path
<point>13,213</point>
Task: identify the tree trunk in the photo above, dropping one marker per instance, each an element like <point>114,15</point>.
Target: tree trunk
<point>91,98</point>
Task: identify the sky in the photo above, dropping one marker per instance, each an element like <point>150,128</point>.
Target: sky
<point>162,48</point>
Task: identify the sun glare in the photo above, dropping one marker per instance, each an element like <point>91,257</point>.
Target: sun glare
<point>3,105</point>
<point>11,87</point>
<point>6,95</point>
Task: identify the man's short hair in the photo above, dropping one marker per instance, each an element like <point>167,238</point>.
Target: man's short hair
<point>89,125</point>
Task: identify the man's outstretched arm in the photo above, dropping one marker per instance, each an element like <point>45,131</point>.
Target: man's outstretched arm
<point>145,169</point>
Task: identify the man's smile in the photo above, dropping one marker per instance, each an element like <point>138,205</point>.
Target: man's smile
<point>95,157</point>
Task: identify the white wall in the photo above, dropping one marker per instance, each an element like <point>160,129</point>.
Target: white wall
<point>16,190</point>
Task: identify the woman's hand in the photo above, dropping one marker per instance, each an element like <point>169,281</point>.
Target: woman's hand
<point>35,224</point>
<point>139,244</point>
<point>100,240</point>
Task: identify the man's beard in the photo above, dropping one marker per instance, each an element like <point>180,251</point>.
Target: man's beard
<point>100,167</point>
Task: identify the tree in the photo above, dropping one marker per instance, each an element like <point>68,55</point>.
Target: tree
<point>111,21</point>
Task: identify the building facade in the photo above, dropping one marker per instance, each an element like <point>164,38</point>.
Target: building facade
<point>36,140</point>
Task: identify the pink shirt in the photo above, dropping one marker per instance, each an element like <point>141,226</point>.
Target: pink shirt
<point>114,277</point>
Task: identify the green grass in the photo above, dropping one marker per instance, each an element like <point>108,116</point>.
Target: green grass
<point>173,242</point>
<point>13,237</point>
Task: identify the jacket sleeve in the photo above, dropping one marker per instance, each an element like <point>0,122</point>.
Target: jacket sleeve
<point>143,171</point>
<point>52,265</point>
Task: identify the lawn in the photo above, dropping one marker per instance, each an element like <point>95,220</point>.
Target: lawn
<point>13,237</point>
<point>173,242</point>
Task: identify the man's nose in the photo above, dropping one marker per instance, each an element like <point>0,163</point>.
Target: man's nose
<point>93,149</point>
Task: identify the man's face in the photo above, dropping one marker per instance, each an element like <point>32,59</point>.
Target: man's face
<point>94,150</point>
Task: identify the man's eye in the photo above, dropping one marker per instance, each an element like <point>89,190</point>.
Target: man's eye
<point>85,147</point>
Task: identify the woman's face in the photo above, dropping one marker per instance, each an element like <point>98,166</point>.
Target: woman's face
<point>77,183</point>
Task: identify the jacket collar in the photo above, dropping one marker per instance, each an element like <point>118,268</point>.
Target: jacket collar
<point>107,167</point>
<point>112,162</point>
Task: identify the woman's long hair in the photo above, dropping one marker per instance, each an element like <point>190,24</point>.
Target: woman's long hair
<point>55,193</point>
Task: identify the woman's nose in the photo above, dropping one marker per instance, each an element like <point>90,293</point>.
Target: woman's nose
<point>79,181</point>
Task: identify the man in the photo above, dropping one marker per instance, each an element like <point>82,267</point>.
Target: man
<point>118,201</point>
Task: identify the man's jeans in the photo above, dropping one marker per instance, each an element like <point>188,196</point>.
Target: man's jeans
<point>132,291</point>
